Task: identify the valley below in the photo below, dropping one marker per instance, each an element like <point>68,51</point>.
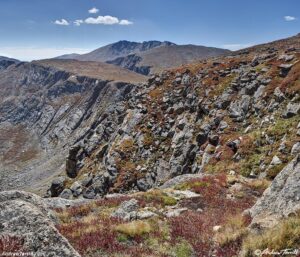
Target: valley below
<point>152,149</point>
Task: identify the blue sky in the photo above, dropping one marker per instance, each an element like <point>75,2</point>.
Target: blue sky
<point>33,29</point>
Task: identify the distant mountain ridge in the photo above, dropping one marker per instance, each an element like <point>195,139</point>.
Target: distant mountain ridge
<point>119,49</point>
<point>149,56</point>
<point>3,58</point>
<point>6,61</point>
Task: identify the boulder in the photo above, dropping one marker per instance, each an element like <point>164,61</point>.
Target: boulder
<point>24,218</point>
<point>66,194</point>
<point>127,210</point>
<point>292,109</point>
<point>57,186</point>
<point>76,189</point>
<point>284,69</point>
<point>180,179</point>
<point>239,108</point>
<point>281,199</point>
<point>296,148</point>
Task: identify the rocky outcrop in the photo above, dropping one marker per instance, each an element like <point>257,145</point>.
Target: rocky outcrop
<point>210,117</point>
<point>44,112</point>
<point>23,218</point>
<point>281,199</point>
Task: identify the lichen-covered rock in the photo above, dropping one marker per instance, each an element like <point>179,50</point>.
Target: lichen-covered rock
<point>127,210</point>
<point>281,199</point>
<point>23,216</point>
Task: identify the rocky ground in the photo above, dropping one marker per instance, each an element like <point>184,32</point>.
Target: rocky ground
<point>202,160</point>
<point>190,215</point>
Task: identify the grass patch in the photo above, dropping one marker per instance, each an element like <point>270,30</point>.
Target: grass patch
<point>158,198</point>
<point>286,235</point>
<point>127,145</point>
<point>234,229</point>
<point>134,228</point>
<point>183,249</point>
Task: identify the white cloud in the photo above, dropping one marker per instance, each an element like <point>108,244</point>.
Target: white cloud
<point>102,20</point>
<point>78,22</point>
<point>106,20</point>
<point>234,47</point>
<point>62,22</point>
<point>37,53</point>
<point>125,22</point>
<point>290,18</point>
<point>94,10</point>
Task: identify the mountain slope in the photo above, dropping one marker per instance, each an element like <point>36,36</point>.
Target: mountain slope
<point>148,57</point>
<point>94,70</point>
<point>165,57</point>
<point>45,107</point>
<point>3,58</point>
<point>116,50</point>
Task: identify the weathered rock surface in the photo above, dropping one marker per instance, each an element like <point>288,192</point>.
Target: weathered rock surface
<point>23,216</point>
<point>281,199</point>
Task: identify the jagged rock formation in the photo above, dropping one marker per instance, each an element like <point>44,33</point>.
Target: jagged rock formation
<point>235,114</point>
<point>148,57</point>
<point>46,109</point>
<point>281,199</point>
<point>26,228</point>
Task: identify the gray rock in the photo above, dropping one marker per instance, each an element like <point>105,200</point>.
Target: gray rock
<point>284,69</point>
<point>66,194</point>
<point>223,125</point>
<point>281,199</point>
<point>286,58</point>
<point>234,145</point>
<point>275,161</point>
<point>57,186</point>
<point>25,220</point>
<point>292,109</point>
<point>278,94</point>
<point>144,215</point>
<point>181,179</point>
<point>145,183</point>
<point>239,108</point>
<point>127,210</point>
<point>76,189</point>
<point>175,212</point>
<point>162,171</point>
<point>259,92</point>
<point>71,162</point>
<point>295,148</point>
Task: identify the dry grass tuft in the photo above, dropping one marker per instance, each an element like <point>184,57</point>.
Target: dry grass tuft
<point>286,235</point>
<point>234,229</point>
<point>134,228</point>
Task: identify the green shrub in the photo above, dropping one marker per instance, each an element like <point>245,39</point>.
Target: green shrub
<point>183,249</point>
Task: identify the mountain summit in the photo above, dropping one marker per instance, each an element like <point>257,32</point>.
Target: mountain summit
<point>149,56</point>
<point>115,50</point>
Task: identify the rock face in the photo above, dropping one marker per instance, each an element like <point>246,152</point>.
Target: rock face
<point>24,217</point>
<point>281,199</point>
<point>43,112</point>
